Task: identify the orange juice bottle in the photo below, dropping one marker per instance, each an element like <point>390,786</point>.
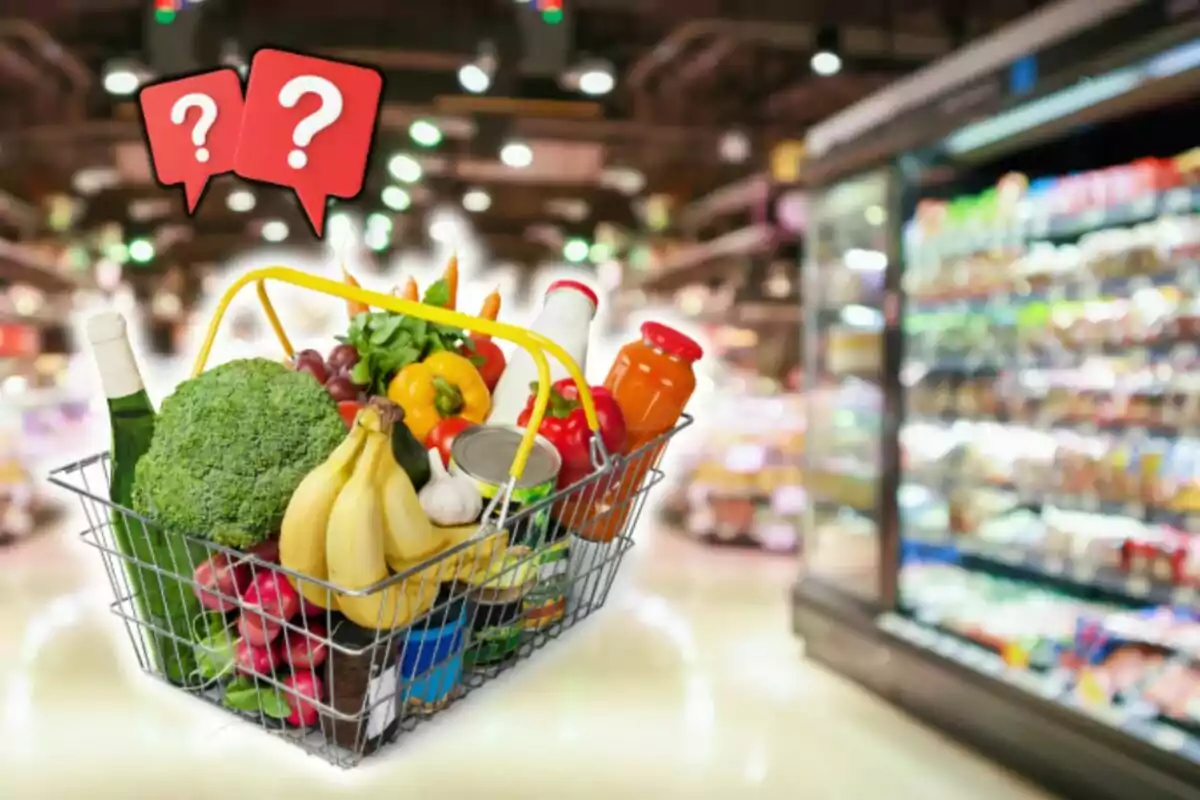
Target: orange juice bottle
<point>652,380</point>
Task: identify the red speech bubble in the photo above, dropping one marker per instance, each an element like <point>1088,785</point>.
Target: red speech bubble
<point>308,124</point>
<point>192,125</point>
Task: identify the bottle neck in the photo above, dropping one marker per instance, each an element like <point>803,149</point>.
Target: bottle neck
<point>568,304</point>
<point>119,375</point>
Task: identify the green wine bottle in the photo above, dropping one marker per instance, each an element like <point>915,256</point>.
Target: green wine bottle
<point>166,607</point>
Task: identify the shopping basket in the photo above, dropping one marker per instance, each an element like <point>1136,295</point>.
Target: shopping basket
<point>519,579</point>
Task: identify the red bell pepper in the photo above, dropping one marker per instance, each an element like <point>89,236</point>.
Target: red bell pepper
<point>565,426</point>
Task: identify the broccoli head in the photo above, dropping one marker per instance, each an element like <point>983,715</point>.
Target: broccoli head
<point>230,447</point>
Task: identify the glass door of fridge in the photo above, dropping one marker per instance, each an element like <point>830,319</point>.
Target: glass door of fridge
<point>844,300</point>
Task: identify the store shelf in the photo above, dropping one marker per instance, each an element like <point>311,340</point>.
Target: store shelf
<point>1051,685</point>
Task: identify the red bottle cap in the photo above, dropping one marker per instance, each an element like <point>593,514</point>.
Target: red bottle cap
<point>672,341</point>
<point>582,288</point>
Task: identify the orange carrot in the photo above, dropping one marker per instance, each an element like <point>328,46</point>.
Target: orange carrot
<point>491,306</point>
<point>410,290</point>
<point>450,276</point>
<point>353,307</point>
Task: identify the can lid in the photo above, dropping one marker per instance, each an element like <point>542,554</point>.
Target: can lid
<point>672,341</point>
<point>106,326</point>
<point>582,288</point>
<point>486,453</point>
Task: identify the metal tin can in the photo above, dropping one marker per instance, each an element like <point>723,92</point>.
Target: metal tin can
<point>546,602</point>
<point>485,454</point>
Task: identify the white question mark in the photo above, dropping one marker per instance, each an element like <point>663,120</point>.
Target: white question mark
<point>314,123</point>
<point>208,115</point>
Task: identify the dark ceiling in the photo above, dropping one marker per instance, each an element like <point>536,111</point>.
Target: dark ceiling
<point>688,72</point>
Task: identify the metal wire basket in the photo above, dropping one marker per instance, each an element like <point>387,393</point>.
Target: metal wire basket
<point>509,585</point>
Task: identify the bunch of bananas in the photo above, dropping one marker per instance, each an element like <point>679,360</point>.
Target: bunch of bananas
<point>356,519</point>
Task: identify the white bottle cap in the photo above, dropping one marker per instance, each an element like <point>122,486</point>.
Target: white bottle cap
<point>105,327</point>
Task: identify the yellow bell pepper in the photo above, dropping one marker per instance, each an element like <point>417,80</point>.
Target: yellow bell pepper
<point>442,386</point>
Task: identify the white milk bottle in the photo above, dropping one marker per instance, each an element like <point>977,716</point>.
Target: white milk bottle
<point>565,319</point>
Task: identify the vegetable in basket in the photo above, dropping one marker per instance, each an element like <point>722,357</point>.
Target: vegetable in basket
<point>230,448</point>
<point>450,499</point>
<point>566,427</point>
<point>442,386</point>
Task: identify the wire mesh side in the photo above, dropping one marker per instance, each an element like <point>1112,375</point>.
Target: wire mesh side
<point>212,623</point>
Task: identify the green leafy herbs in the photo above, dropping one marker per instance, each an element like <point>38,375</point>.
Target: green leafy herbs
<point>242,695</point>
<point>387,342</point>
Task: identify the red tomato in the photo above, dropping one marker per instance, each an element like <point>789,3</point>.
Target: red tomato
<point>442,436</point>
<point>487,357</point>
<point>349,410</point>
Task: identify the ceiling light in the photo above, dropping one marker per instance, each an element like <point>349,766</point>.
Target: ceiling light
<point>826,63</point>
<point>599,252</point>
<point>340,231</point>
<point>404,168</point>
<point>425,133</point>
<point>442,228</point>
<point>474,78</point>
<point>576,250</point>
<point>396,198</point>
<point>121,81</point>
<point>596,81</point>
<point>378,238</point>
<point>240,201</point>
<point>516,155</point>
<point>826,60</point>
<point>95,179</point>
<point>378,221</point>
<point>275,231</point>
<point>734,147</point>
<point>477,201</point>
<point>141,251</point>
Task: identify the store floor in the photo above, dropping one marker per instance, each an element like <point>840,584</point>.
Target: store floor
<point>689,686</point>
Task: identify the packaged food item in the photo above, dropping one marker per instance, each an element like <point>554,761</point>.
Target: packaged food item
<point>363,680</point>
<point>652,380</point>
<point>431,656</point>
<point>565,319</point>
<point>485,454</point>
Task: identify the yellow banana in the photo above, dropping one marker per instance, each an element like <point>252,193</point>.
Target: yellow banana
<point>409,536</point>
<point>355,536</point>
<point>302,534</point>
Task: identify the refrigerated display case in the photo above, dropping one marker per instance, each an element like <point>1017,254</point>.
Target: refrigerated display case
<point>1038,353</point>
<point>843,285</point>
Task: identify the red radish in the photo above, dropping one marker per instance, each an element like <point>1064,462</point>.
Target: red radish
<point>254,660</point>
<point>267,551</point>
<point>303,686</point>
<point>217,574</point>
<point>272,594</point>
<point>257,629</point>
<point>306,649</point>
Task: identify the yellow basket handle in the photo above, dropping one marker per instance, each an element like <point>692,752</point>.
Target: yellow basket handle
<point>534,343</point>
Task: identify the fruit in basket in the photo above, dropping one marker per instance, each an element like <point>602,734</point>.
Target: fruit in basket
<point>219,582</point>
<point>443,385</point>
<point>566,427</point>
<point>267,551</point>
<point>230,447</point>
<point>255,660</point>
<point>303,687</point>
<point>256,629</point>
<point>271,593</point>
<point>441,438</point>
<point>341,360</point>
<point>310,361</point>
<point>355,537</point>
<point>342,389</point>
<point>307,650</point>
<point>408,534</point>
<point>302,534</point>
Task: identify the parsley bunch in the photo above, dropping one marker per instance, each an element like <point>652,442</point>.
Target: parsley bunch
<point>388,342</point>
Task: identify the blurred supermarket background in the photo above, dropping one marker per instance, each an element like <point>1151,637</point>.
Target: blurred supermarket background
<point>944,258</point>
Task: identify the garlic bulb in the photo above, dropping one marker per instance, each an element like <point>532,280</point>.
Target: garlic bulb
<point>449,499</point>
